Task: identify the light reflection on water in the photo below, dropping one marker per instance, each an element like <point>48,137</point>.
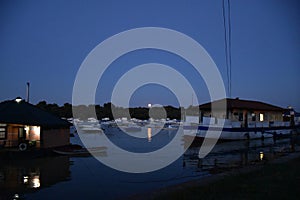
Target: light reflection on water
<point>149,131</point>
<point>30,175</point>
<point>86,178</point>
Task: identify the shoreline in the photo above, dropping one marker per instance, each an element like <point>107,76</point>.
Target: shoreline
<point>170,192</point>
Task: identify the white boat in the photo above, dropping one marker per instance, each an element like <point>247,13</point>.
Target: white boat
<point>89,127</point>
<point>92,129</point>
<point>132,128</point>
<point>81,152</point>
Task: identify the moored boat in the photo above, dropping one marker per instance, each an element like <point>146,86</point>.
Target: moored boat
<point>75,150</point>
<point>133,128</point>
<point>244,119</point>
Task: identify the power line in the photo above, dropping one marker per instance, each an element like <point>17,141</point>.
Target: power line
<point>227,39</point>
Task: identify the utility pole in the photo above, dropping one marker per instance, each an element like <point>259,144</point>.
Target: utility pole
<point>27,92</point>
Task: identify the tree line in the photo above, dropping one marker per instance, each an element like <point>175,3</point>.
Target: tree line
<point>108,110</point>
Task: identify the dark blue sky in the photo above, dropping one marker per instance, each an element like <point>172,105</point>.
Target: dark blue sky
<point>45,42</point>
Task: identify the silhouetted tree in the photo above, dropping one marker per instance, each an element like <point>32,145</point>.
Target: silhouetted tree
<point>108,110</point>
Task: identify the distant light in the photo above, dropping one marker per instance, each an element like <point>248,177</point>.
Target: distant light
<point>149,105</point>
<point>18,99</point>
<point>25,180</point>
<point>261,155</point>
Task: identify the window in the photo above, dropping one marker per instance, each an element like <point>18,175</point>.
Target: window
<point>2,131</point>
<point>261,117</point>
<point>253,116</point>
<point>241,117</point>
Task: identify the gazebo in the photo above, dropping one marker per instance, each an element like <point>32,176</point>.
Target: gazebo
<point>23,124</point>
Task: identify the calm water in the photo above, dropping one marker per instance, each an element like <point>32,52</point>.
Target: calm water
<point>85,177</point>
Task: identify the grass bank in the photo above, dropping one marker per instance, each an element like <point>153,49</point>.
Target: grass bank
<point>271,181</point>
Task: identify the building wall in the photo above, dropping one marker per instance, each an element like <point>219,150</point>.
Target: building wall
<point>216,114</point>
<point>55,137</point>
<point>12,136</point>
<point>275,116</point>
<point>12,132</point>
<point>244,116</point>
<point>268,115</point>
<point>49,138</point>
<point>34,135</point>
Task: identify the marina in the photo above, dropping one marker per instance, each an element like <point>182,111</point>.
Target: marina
<point>149,100</point>
<point>26,169</point>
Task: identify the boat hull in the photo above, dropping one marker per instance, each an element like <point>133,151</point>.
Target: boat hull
<point>226,133</point>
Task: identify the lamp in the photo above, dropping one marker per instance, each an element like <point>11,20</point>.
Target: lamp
<point>18,99</point>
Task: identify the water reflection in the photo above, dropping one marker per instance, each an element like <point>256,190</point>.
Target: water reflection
<point>33,181</point>
<point>239,153</point>
<point>261,155</point>
<point>25,176</point>
<point>149,133</point>
<point>93,180</point>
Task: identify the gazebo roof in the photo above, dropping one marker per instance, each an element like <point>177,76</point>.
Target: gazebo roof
<point>24,113</point>
<point>242,104</point>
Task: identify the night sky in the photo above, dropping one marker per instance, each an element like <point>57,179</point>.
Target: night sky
<point>45,42</point>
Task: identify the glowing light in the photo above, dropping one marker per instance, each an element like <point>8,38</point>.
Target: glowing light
<point>36,182</point>
<point>37,130</point>
<point>261,117</point>
<point>25,179</point>
<point>149,105</point>
<point>261,155</point>
<point>18,99</point>
<point>26,129</point>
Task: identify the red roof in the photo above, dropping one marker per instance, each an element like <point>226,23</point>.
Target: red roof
<point>242,104</point>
